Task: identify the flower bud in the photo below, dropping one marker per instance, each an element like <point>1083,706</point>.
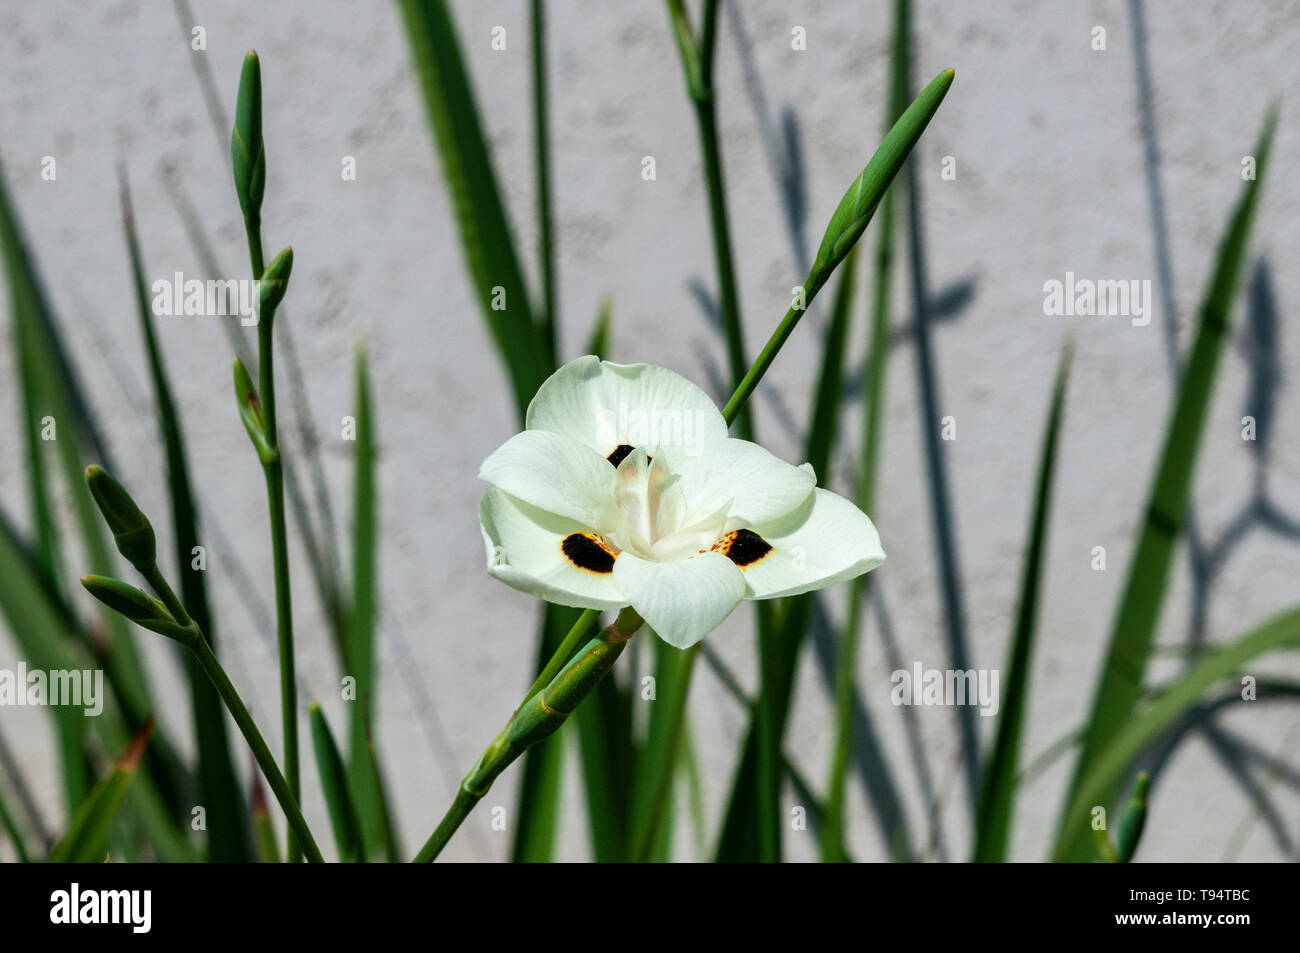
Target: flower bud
<point>131,530</point>
<point>272,287</point>
<point>126,599</point>
<point>250,412</point>
<point>247,154</point>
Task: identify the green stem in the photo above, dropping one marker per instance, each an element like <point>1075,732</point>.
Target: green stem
<point>274,471</point>
<point>577,637</point>
<point>542,154</point>
<point>769,742</point>
<point>745,389</point>
<point>697,63</point>
<point>253,229</point>
<point>536,719</point>
<point>728,296</point>
<point>833,828</point>
<point>284,631</point>
<point>168,596</point>
<point>257,744</point>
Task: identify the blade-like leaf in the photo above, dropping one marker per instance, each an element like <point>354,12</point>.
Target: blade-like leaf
<point>609,758</point>
<point>84,842</point>
<point>366,779</point>
<point>598,343</point>
<point>52,386</point>
<point>334,782</point>
<point>1105,771</point>
<point>15,835</point>
<point>218,788</point>
<point>42,628</point>
<point>653,788</point>
<point>1120,685</point>
<point>777,678</point>
<point>480,212</point>
<point>998,789</point>
<point>833,829</point>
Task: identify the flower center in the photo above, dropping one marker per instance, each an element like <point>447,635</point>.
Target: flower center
<point>649,515</point>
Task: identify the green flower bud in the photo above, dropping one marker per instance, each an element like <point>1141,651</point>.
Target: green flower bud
<point>859,203</point>
<point>126,599</point>
<point>131,530</point>
<point>247,155</point>
<point>272,286</point>
<point>250,412</point>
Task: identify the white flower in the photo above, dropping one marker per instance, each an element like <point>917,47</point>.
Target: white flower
<point>625,489</point>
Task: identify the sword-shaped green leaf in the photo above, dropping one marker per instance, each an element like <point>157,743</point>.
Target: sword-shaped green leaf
<point>1120,685</point>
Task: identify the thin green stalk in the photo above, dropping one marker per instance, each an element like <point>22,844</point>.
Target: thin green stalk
<point>997,793</point>
<point>658,762</point>
<point>834,847</point>
<point>283,605</point>
<point>697,63</point>
<point>769,740</point>
<point>273,468</point>
<point>265,760</point>
<point>537,719</point>
<point>576,638</point>
<point>217,786</point>
<point>253,229</point>
<point>846,664</point>
<point>248,163</point>
<point>661,754</point>
<point>847,224</point>
<point>197,643</point>
<point>542,156</point>
<point>168,617</point>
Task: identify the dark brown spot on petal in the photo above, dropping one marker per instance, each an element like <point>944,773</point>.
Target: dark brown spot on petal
<point>744,547</point>
<point>588,551</point>
<point>620,453</point>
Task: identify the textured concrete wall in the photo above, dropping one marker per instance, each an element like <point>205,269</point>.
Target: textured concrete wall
<point>1054,174</point>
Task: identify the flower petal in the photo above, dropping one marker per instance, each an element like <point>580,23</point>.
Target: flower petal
<point>827,540</point>
<point>554,473</point>
<point>524,550</point>
<point>682,601</point>
<point>759,486</point>
<point>608,406</point>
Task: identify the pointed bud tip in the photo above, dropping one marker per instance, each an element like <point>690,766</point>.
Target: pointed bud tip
<point>131,757</point>
<point>1142,786</point>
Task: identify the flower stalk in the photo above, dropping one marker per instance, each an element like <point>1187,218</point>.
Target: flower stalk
<point>847,224</point>
<point>543,712</point>
<point>248,161</point>
<point>167,616</point>
<point>697,63</point>
<point>540,716</point>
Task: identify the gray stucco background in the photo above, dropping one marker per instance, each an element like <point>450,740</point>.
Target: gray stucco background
<point>1052,176</point>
